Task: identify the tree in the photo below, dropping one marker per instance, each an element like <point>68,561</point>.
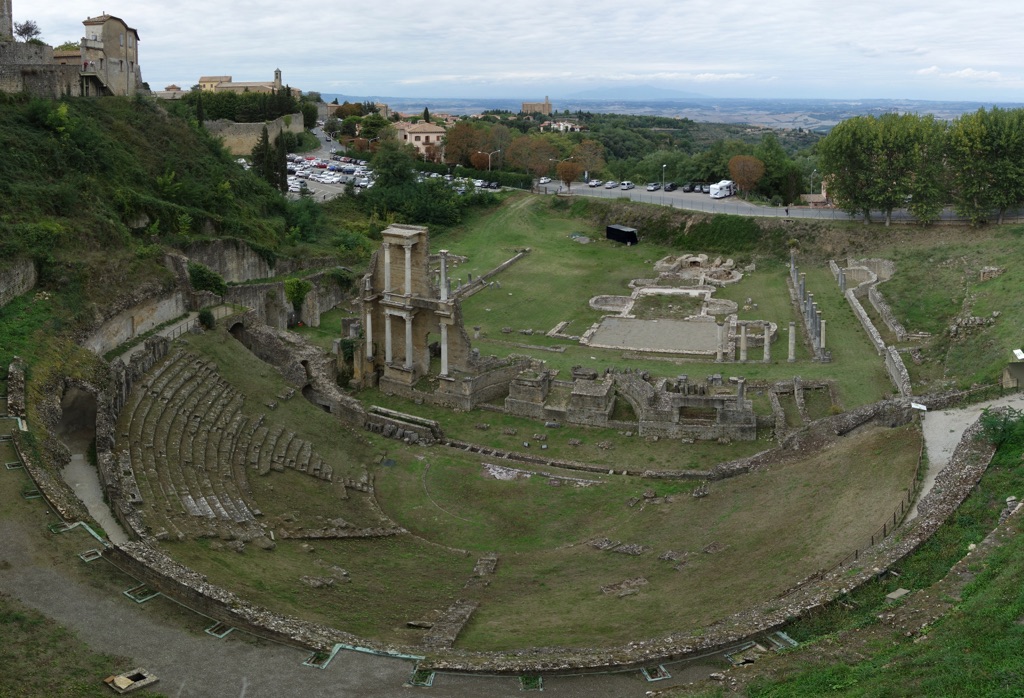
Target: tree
<point>746,171</point>
<point>27,30</point>
<point>569,171</point>
<point>590,156</point>
<point>461,141</point>
<point>200,112</point>
<point>985,153</point>
<point>68,46</point>
<point>372,126</point>
<point>847,157</point>
<point>426,115</point>
<point>393,164</point>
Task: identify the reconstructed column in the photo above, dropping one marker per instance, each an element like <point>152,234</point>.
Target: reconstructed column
<point>741,388</point>
<point>387,267</point>
<point>389,354</point>
<point>721,343</point>
<point>842,280</point>
<point>822,336</point>
<point>369,335</point>
<point>408,341</point>
<point>408,270</point>
<point>803,286</point>
<point>743,342</point>
<point>444,347</point>
<point>444,276</point>
<point>792,342</point>
<point>767,343</point>
<point>808,309</point>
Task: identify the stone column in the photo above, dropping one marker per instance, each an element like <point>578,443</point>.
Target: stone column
<point>369,335</point>
<point>721,343</point>
<point>792,342</point>
<point>809,309</point>
<point>408,341</point>
<point>842,280</point>
<point>444,348</point>
<point>767,343</point>
<point>822,337</point>
<point>743,342</point>
<point>389,354</point>
<point>408,270</point>
<point>741,388</point>
<point>387,267</point>
<point>803,286</point>
<point>444,276</point>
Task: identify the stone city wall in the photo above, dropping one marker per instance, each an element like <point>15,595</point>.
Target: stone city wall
<point>29,68</point>
<point>240,139</point>
<point>898,371</point>
<point>16,279</point>
<point>134,321</point>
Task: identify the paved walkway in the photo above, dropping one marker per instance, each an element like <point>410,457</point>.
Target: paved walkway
<point>943,430</point>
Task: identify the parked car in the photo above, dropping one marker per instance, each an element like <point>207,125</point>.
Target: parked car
<point>653,186</point>
<point>611,184</point>
<point>706,188</point>
<point>493,185</point>
<point>544,180</point>
<point>627,185</point>
<point>671,186</point>
<point>595,183</point>
<point>688,186</point>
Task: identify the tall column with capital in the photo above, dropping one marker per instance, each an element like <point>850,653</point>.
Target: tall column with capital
<point>408,270</point>
<point>767,343</point>
<point>743,342</point>
<point>389,354</point>
<point>408,341</point>
<point>444,276</point>
<point>387,267</point>
<point>369,334</point>
<point>444,348</point>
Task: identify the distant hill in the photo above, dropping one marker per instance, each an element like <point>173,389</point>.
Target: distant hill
<point>634,93</point>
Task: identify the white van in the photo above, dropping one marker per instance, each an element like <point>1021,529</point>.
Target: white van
<point>723,189</point>
<point>627,185</point>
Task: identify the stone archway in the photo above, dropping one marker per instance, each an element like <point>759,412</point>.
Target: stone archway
<point>77,424</point>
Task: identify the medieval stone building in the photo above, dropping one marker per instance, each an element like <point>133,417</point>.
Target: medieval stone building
<point>105,63</point>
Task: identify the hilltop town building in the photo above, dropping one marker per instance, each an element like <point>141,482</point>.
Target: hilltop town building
<point>426,137</point>
<point>224,83</point>
<point>537,107</point>
<point>105,63</point>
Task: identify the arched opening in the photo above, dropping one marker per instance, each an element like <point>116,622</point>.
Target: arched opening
<point>314,398</point>
<point>237,331</point>
<point>77,424</point>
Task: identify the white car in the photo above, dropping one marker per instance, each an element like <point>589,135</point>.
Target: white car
<point>595,183</point>
<point>611,184</point>
<point>544,180</point>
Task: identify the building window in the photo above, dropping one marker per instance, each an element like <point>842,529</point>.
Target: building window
<point>426,139</point>
<point>121,39</point>
<point>131,41</point>
<point>416,138</point>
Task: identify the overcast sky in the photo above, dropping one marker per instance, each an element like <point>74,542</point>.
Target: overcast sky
<point>526,49</point>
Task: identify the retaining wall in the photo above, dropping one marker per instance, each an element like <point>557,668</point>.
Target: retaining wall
<point>240,139</point>
<point>16,279</point>
<point>134,321</point>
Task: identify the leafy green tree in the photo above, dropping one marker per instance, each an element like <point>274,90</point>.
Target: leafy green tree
<point>296,290</point>
<point>986,162</point>
<point>27,30</point>
<point>590,156</point>
<point>310,114</point>
<point>847,157</point>
<point>426,115</point>
<point>461,141</point>
<point>393,163</point>
<point>371,126</point>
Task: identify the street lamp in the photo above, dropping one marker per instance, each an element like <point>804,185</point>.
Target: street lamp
<point>812,180</point>
<point>663,177</point>
<point>489,157</point>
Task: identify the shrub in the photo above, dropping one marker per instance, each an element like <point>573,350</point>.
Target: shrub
<point>206,319</point>
<point>203,278</point>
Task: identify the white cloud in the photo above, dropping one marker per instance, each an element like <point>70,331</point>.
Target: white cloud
<point>873,48</point>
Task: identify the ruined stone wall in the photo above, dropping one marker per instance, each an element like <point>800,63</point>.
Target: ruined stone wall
<point>134,321</point>
<point>28,68</point>
<point>865,321</point>
<point>883,269</point>
<point>266,300</point>
<point>240,139</point>
<point>232,259</point>
<point>16,279</point>
<point>885,312</point>
<point>326,294</point>
<point>897,371</point>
